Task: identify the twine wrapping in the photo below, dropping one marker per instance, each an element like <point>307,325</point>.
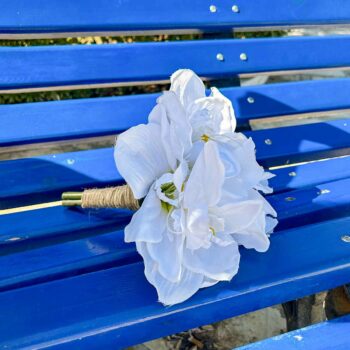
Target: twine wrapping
<point>113,197</point>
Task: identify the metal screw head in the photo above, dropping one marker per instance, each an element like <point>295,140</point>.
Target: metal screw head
<point>324,191</point>
<point>268,142</point>
<point>243,56</point>
<point>250,99</point>
<point>292,173</point>
<point>12,239</point>
<point>212,8</point>
<point>235,8</point>
<point>345,238</point>
<point>220,57</point>
<point>290,199</point>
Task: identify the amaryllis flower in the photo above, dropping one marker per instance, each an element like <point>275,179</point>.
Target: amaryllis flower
<point>200,182</point>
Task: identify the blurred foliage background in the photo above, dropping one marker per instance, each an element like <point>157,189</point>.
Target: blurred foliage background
<point>97,40</point>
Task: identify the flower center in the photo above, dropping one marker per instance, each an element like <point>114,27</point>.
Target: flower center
<point>205,138</point>
<point>168,189</point>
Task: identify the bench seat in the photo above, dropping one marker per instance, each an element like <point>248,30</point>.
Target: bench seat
<point>116,307</point>
<point>333,334</point>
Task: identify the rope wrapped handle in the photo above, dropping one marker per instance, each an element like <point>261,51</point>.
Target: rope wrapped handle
<point>111,197</point>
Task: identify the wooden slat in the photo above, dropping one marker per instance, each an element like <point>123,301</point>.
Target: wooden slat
<point>51,175</point>
<point>64,16</point>
<point>117,307</point>
<point>72,119</point>
<point>327,335</point>
<point>65,66</point>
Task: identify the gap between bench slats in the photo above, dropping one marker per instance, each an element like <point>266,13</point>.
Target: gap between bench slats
<point>52,243</point>
<point>50,66</point>
<point>108,308</point>
<point>50,175</point>
<point>125,16</point>
<point>64,120</point>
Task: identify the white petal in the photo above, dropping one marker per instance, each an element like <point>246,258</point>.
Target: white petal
<point>239,215</point>
<point>205,117</point>
<point>176,221</point>
<point>228,115</point>
<point>169,293</point>
<point>158,116</point>
<point>149,222</point>
<point>206,179</point>
<point>271,223</point>
<point>254,236</point>
<point>197,233</point>
<point>268,209</point>
<point>232,166</point>
<point>216,262</point>
<point>211,116</point>
<point>187,86</point>
<point>208,282</point>
<point>234,190</point>
<point>243,153</point>
<point>195,151</point>
<point>140,157</point>
<point>168,255</point>
<point>180,175</point>
<point>179,132</point>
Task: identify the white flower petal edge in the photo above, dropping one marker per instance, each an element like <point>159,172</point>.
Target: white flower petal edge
<point>140,157</point>
<point>201,186</point>
<point>169,293</point>
<point>187,86</point>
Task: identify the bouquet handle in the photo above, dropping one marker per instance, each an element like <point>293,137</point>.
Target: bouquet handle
<point>111,197</point>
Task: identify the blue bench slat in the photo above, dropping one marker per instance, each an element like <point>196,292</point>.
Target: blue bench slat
<point>327,335</point>
<point>51,224</point>
<point>66,16</point>
<point>117,307</point>
<point>50,66</point>
<point>311,174</point>
<point>47,244</point>
<point>62,120</point>
<point>65,259</point>
<point>50,175</point>
<point>302,143</point>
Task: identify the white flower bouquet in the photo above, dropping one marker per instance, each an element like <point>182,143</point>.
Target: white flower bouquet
<point>200,186</point>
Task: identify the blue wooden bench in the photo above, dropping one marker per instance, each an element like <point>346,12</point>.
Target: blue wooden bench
<point>323,336</point>
<point>67,280</point>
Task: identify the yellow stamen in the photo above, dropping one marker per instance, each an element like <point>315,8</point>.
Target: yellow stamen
<point>205,138</point>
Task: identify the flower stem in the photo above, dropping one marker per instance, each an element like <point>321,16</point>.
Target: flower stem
<point>71,199</point>
<point>71,203</point>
